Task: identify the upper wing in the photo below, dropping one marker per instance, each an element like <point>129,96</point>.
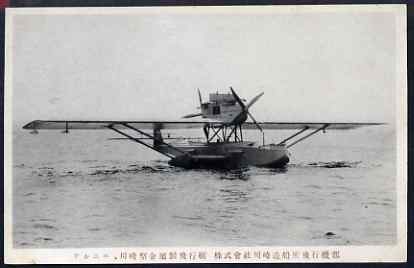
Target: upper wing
<point>46,124</point>
<point>61,124</point>
<point>308,125</point>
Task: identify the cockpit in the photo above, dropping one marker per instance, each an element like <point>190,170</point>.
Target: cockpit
<point>216,109</point>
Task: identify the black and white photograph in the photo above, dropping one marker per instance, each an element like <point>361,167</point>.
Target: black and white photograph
<point>205,134</point>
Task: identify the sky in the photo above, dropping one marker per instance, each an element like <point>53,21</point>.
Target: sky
<point>311,66</point>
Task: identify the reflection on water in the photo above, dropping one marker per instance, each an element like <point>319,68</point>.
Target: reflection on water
<point>234,195</point>
<point>237,174</point>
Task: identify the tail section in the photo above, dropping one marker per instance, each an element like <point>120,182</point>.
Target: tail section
<point>158,140</point>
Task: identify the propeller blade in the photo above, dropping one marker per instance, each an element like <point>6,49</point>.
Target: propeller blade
<point>238,99</point>
<point>254,121</point>
<point>192,115</point>
<point>254,100</point>
<point>199,96</point>
<point>245,108</point>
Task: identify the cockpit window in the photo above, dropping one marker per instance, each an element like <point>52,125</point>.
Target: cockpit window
<point>229,103</point>
<point>216,109</point>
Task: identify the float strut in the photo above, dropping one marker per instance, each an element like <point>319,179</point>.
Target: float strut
<point>66,127</point>
<point>231,133</point>
<point>215,134</point>
<point>241,133</point>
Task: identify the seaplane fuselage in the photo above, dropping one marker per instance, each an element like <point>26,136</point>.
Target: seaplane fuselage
<point>227,155</point>
<point>224,146</point>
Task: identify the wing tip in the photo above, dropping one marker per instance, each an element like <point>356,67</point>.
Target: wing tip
<point>30,125</point>
<point>374,124</point>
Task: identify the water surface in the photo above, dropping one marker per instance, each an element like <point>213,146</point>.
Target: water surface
<point>82,190</point>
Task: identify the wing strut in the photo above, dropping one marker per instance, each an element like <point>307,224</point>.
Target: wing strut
<point>143,143</point>
<point>139,141</point>
<point>294,135</point>
<point>306,136</point>
<point>149,136</point>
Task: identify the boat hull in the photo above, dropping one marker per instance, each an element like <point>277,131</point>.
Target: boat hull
<point>228,155</point>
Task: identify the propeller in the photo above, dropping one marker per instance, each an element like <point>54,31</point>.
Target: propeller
<point>201,102</point>
<point>254,121</point>
<point>199,97</point>
<point>192,115</point>
<point>254,100</point>
<point>245,109</point>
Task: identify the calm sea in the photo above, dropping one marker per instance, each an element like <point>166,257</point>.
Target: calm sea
<point>83,190</point>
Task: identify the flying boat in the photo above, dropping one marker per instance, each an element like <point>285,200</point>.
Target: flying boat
<point>223,120</point>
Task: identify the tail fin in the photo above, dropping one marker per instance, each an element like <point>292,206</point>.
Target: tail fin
<point>157,137</point>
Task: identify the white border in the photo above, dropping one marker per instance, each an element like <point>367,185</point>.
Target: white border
<point>395,253</point>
